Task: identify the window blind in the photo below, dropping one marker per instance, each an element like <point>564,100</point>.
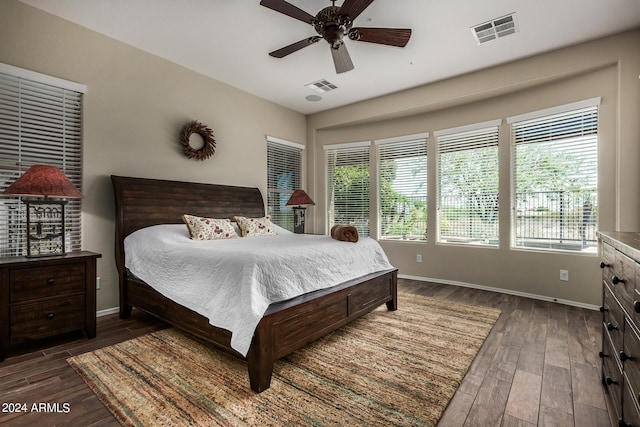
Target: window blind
<point>348,185</point>
<point>468,185</point>
<point>40,123</point>
<point>284,171</point>
<point>555,161</point>
<point>402,188</point>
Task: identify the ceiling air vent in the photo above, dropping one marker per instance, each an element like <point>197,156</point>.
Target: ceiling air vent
<point>321,86</point>
<point>496,28</point>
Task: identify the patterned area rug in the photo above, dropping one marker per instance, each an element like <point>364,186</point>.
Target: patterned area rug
<point>393,368</point>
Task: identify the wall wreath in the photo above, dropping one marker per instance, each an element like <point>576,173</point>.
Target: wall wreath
<point>204,152</point>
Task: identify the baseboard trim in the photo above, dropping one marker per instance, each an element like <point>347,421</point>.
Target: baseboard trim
<point>115,310</point>
<point>501,291</point>
<point>107,312</point>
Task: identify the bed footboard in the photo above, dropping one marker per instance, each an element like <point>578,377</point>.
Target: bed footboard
<point>289,325</point>
<point>286,326</point>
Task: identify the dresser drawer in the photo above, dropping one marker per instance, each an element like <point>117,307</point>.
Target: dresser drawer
<point>635,313</point>
<point>46,318</point>
<point>612,375</point>
<point>621,277</point>
<point>38,282</point>
<point>631,412</point>
<point>608,259</point>
<point>631,356</point>
<point>613,318</point>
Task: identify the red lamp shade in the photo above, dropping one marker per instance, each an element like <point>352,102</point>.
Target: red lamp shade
<point>298,198</point>
<point>43,180</point>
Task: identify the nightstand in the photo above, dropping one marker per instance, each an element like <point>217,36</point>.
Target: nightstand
<point>44,297</point>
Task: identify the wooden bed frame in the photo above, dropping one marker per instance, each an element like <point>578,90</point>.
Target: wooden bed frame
<point>286,326</point>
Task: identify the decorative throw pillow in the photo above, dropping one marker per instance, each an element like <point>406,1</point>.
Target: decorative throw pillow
<point>208,228</point>
<point>256,226</point>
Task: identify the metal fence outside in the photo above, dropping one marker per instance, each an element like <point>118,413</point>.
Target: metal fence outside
<point>557,220</point>
<point>565,220</point>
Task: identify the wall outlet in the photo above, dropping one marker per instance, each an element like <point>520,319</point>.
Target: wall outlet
<point>564,275</point>
<point>97,282</point>
<point>418,257</point>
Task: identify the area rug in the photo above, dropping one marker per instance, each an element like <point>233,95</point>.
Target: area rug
<point>386,368</point>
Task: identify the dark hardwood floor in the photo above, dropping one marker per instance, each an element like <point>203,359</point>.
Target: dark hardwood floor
<point>539,366</point>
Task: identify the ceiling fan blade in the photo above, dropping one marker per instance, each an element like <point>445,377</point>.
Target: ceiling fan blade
<point>353,8</point>
<point>389,36</point>
<point>288,9</point>
<point>341,58</point>
<point>281,53</point>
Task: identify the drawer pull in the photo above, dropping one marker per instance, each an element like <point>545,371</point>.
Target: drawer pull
<point>604,264</point>
<point>50,316</point>
<point>624,356</point>
<point>602,355</point>
<point>604,309</point>
<point>611,327</point>
<point>616,280</point>
<point>609,381</point>
<point>50,282</point>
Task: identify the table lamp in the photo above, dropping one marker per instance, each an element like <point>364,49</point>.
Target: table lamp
<point>43,189</point>
<point>298,200</point>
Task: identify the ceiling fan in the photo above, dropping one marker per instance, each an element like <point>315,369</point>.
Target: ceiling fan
<point>333,23</point>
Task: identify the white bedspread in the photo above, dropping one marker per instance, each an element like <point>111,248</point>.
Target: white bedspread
<point>233,281</point>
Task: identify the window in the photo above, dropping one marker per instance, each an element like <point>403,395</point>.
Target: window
<point>40,123</point>
<point>348,185</point>
<point>402,187</point>
<point>284,166</point>
<point>468,184</point>
<point>555,162</point>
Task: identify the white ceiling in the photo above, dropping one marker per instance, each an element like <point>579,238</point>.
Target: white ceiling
<point>229,40</point>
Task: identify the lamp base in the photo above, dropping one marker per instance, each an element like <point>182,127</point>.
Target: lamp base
<point>298,219</point>
<point>45,228</point>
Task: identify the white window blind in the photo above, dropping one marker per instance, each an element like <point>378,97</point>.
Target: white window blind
<point>555,161</point>
<point>402,188</point>
<point>284,174</point>
<point>40,123</point>
<point>348,185</point>
<point>468,185</point>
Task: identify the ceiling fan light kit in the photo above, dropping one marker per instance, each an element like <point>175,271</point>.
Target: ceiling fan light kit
<point>333,24</point>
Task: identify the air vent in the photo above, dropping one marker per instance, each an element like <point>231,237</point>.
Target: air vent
<point>321,86</point>
<point>499,27</point>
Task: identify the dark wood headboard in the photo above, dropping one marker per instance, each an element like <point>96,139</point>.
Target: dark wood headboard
<point>142,202</point>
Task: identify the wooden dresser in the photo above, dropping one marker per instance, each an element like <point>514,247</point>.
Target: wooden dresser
<point>620,353</point>
<point>43,297</point>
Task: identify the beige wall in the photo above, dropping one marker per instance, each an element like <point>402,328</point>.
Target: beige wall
<point>134,108</point>
<point>607,68</point>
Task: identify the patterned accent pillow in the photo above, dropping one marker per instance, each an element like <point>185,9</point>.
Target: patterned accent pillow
<point>209,228</point>
<point>256,226</point>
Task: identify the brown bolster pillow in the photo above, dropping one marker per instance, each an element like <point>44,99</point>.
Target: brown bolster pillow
<point>345,233</point>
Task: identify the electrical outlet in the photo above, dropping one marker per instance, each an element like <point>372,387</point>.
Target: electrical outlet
<point>564,275</point>
<point>418,257</point>
<point>97,282</point>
